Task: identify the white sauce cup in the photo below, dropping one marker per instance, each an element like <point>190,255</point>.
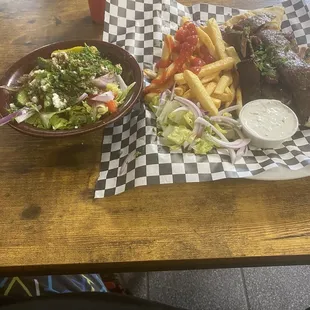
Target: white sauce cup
<point>268,123</point>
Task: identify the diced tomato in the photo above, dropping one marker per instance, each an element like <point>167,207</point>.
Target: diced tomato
<point>112,106</point>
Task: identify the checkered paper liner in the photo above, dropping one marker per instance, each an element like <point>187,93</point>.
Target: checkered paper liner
<point>131,152</point>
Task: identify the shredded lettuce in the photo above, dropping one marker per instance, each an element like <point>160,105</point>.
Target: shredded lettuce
<point>154,104</point>
<point>101,110</point>
<point>175,127</point>
<point>120,99</point>
<point>58,122</point>
<point>177,135</point>
<point>177,117</point>
<point>114,88</point>
<point>202,146</point>
<point>189,119</point>
<point>169,107</point>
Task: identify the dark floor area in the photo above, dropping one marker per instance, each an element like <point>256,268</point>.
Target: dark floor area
<point>266,288</point>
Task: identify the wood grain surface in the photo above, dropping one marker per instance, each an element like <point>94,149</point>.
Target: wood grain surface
<point>49,221</point>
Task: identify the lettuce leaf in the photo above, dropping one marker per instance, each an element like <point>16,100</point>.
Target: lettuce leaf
<point>177,135</point>
<point>169,107</point>
<point>58,122</point>
<point>80,115</point>
<point>120,99</point>
<point>202,146</point>
<point>154,104</point>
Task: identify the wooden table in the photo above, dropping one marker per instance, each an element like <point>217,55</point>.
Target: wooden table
<point>49,221</point>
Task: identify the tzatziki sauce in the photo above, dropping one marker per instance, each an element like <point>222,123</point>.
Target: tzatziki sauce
<point>269,119</point>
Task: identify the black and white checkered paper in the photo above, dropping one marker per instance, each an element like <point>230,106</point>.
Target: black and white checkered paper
<point>131,153</point>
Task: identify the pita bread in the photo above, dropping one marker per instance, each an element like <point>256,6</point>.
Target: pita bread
<point>276,11</point>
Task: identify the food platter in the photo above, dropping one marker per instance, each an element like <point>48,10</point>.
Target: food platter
<point>282,174</point>
<point>157,163</point>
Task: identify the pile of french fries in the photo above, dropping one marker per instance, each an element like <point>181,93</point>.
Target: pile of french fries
<point>216,86</point>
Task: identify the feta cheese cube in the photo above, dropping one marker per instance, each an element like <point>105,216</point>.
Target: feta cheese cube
<point>57,102</point>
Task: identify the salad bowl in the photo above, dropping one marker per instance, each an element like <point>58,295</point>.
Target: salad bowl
<point>131,73</point>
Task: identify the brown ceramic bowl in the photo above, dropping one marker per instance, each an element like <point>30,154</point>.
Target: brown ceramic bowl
<point>131,73</point>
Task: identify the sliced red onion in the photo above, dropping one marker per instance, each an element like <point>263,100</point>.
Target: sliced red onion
<point>205,123</point>
<point>163,96</point>
<point>10,88</point>
<point>235,145</point>
<point>239,133</point>
<point>27,114</point>
<point>6,119</point>
<point>229,145</point>
<point>21,118</point>
<point>192,106</point>
<point>229,109</point>
<point>189,146</point>
<point>121,82</point>
<point>104,97</point>
<point>241,152</point>
<point>232,155</point>
<point>225,119</point>
<point>172,92</point>
<point>181,109</point>
<point>81,98</point>
<point>102,81</point>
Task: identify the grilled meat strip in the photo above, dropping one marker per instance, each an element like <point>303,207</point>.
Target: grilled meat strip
<point>287,80</point>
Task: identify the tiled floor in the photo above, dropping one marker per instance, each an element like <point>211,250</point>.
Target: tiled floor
<point>266,288</point>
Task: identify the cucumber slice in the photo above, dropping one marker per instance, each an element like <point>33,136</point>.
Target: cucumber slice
<point>22,97</point>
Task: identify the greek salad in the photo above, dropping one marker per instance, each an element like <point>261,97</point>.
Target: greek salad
<point>74,87</point>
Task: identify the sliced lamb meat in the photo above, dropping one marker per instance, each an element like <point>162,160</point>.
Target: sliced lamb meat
<point>250,80</point>
<point>255,22</point>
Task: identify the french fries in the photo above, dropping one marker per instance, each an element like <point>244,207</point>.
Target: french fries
<point>188,94</point>
<point>231,52</point>
<point>216,36</point>
<point>205,39</point>
<point>217,66</point>
<point>214,85</point>
<point>209,70</point>
<point>239,98</point>
<point>179,91</point>
<point>184,19</point>
<point>210,88</point>
<point>200,92</point>
<point>233,94</point>
<point>210,78</point>
<point>225,81</point>
<point>217,102</point>
<point>223,97</point>
<point>179,79</point>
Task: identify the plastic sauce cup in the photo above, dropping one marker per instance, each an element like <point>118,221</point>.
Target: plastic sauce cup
<point>266,115</point>
<point>97,10</point>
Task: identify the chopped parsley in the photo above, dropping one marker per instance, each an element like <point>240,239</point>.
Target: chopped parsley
<point>267,61</point>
